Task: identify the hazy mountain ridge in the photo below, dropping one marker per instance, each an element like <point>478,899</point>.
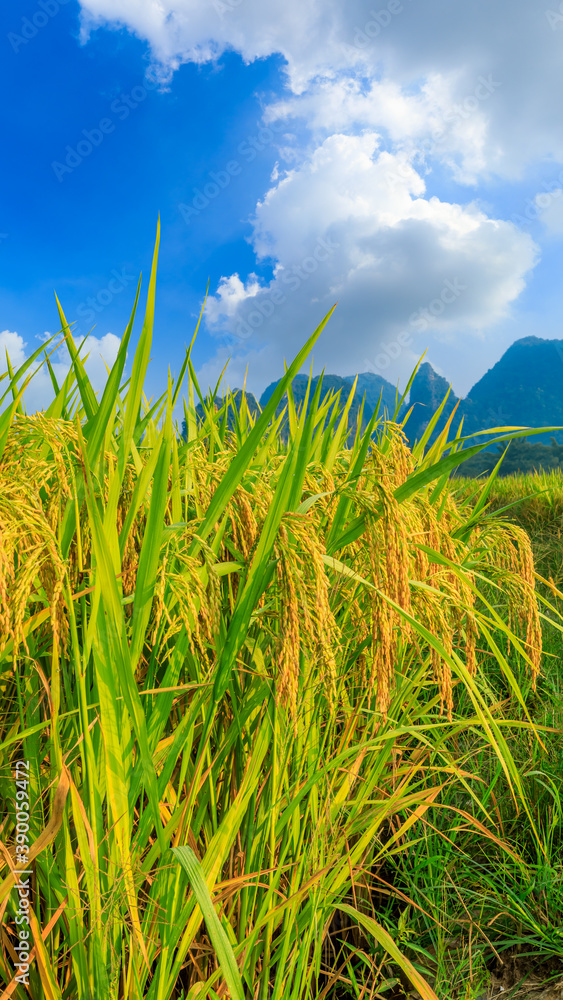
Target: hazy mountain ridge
<point>368,385</point>
<point>219,402</point>
<point>524,388</point>
<point>427,391</point>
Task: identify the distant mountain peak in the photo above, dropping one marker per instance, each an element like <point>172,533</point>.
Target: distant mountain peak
<point>524,388</point>
<point>531,342</point>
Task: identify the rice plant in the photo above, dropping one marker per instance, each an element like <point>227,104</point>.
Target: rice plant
<point>242,670</point>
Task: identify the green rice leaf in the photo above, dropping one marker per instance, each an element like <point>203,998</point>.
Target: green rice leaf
<point>219,939</point>
<point>386,941</point>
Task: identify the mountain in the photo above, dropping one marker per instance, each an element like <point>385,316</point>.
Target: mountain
<point>427,392</point>
<point>524,388</point>
<point>251,402</point>
<point>370,385</point>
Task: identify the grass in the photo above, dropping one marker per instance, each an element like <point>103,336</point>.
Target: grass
<point>275,696</point>
<point>532,898</point>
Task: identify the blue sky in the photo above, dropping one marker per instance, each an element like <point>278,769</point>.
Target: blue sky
<point>404,160</point>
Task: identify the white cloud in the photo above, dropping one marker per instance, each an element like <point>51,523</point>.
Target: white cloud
<point>230,294</point>
<point>429,124</point>
<point>550,210</point>
<point>352,224</point>
<point>98,352</point>
<point>423,53</point>
<point>39,393</point>
<point>466,90</point>
<point>13,345</point>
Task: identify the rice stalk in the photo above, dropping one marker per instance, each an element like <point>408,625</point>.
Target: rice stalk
<point>260,649</point>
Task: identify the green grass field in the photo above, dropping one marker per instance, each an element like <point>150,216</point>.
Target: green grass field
<point>276,721</point>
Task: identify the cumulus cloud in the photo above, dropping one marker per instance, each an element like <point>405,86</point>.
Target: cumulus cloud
<point>411,55</point>
<point>353,225</point>
<point>549,206</point>
<point>39,394</point>
<point>12,345</point>
<point>386,95</point>
<point>429,124</point>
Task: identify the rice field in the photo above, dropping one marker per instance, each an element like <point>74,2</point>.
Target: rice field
<point>269,720</point>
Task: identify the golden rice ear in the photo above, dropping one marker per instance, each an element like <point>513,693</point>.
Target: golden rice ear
<point>529,611</point>
<point>246,525</point>
<point>30,560</point>
<point>318,623</point>
<point>288,659</point>
<point>382,650</point>
<point>388,555</point>
<point>323,628</point>
<point>510,558</point>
